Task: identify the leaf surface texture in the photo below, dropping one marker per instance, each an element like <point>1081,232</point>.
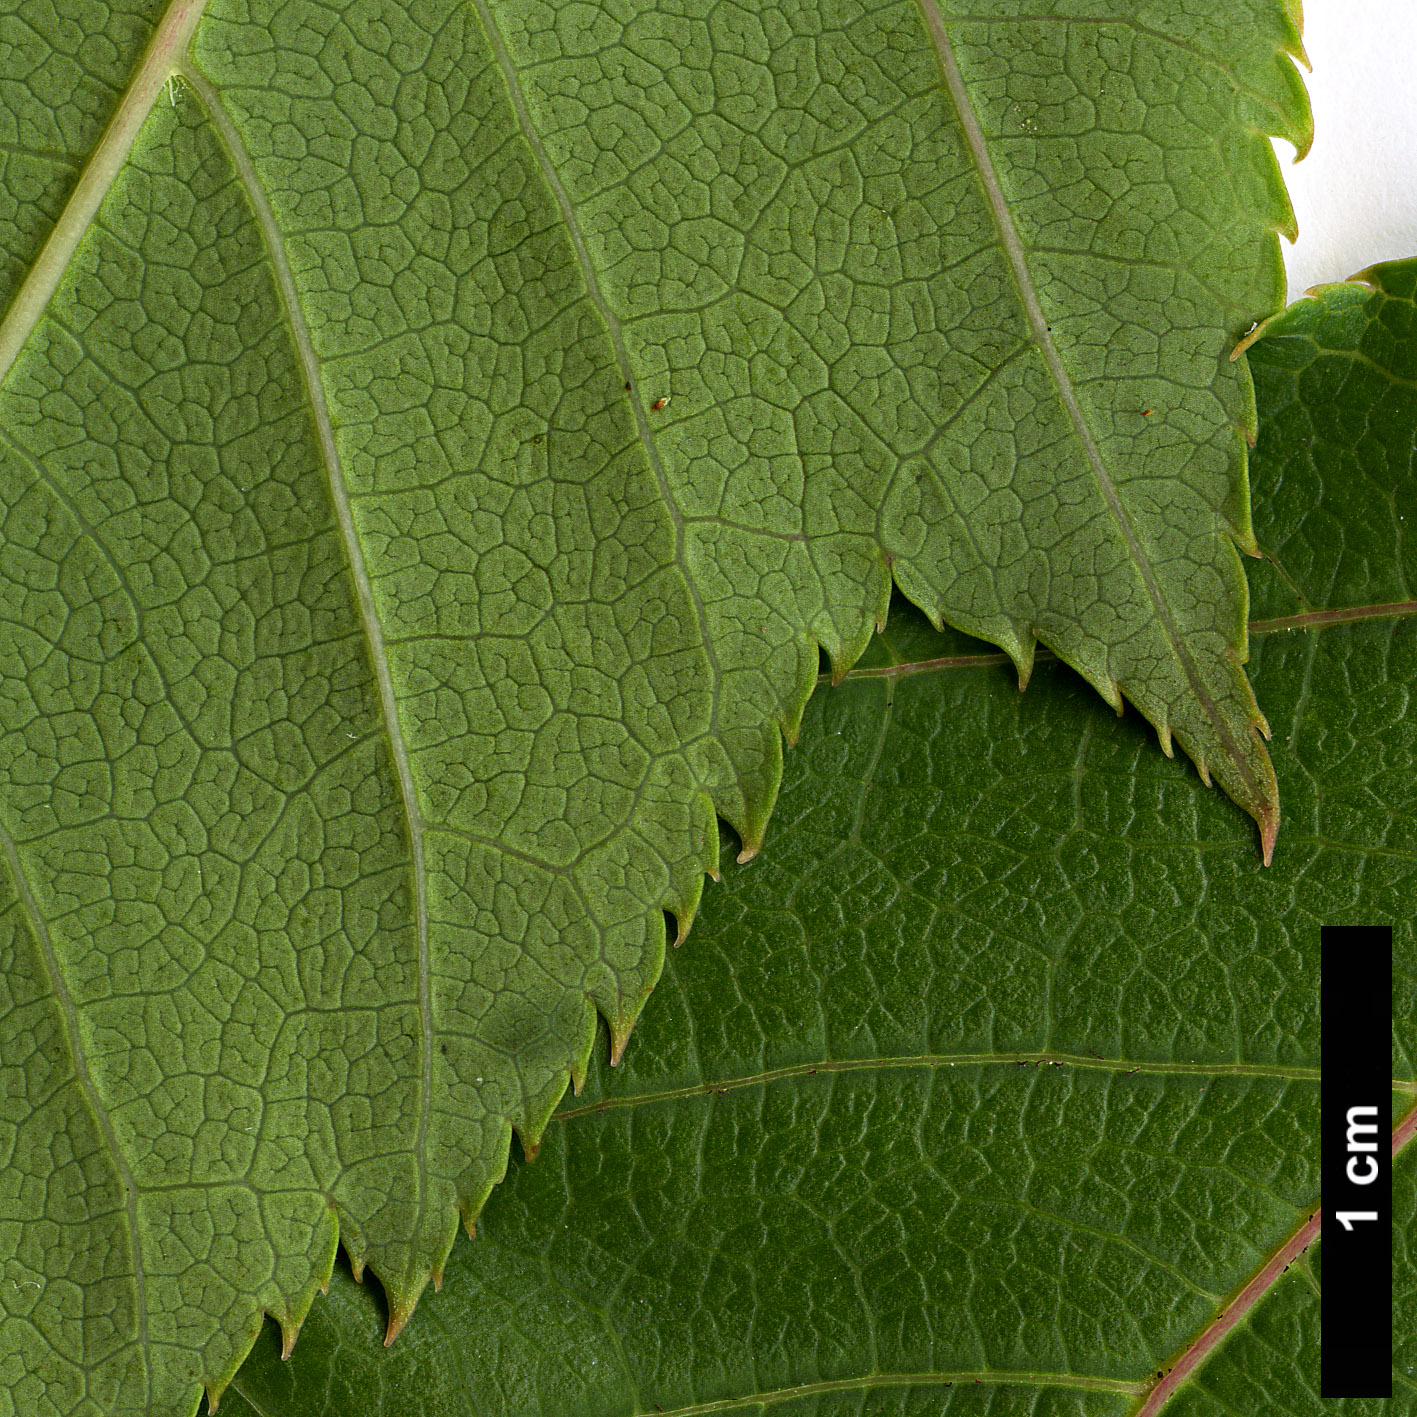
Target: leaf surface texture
<point>435,442</point>
<point>1001,1069</point>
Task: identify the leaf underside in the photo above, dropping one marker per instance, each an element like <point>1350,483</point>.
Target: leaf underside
<point>435,442</point>
<point>1001,1068</point>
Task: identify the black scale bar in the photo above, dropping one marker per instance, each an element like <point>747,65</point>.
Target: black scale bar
<point>1357,1161</point>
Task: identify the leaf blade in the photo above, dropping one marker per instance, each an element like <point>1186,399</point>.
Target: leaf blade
<point>556,734</point>
<point>909,919</point>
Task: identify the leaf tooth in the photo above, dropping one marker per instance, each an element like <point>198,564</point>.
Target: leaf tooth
<point>289,1332</point>
<point>403,1288</point>
<point>844,652</point>
<point>1163,733</point>
<point>1269,829</point>
<point>1022,653</point>
<point>529,1137</point>
<point>399,1315</point>
<point>685,897</point>
<point>840,658</point>
<point>1256,715</point>
<point>882,584</point>
<point>1244,539</point>
<point>747,810</point>
<point>619,1037</point>
<point>705,822</point>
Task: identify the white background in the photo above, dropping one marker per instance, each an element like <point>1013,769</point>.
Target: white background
<point>1356,193</point>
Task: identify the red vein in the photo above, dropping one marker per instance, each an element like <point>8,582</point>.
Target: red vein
<point>1213,1335</point>
<point>1404,1131</point>
<point>1317,619</point>
<point>1310,620</point>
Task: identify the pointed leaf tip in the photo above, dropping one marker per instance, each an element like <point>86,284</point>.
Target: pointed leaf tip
<point>398,1317</point>
<point>619,1037</point>
<point>288,1335</point>
<point>1269,829</point>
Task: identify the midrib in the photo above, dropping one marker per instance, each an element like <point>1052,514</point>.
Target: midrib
<point>160,60</point>
<point>368,613</point>
<point>1042,336</point>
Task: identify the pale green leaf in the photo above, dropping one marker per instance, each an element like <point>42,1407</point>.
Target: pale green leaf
<point>435,441</point>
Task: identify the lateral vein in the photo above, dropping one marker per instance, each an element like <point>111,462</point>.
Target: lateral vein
<point>161,59</point>
<point>368,613</point>
<point>1310,620</point>
<point>1038,326</point>
<point>612,325</point>
<point>87,1086</point>
<point>992,1376</point>
<point>936,1060</point>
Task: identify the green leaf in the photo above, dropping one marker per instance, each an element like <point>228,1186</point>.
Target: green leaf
<point>435,441</point>
<point>1003,1062</point>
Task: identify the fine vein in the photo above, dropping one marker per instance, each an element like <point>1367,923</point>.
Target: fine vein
<point>1038,325</point>
<point>160,60</point>
<point>368,614</point>
<point>86,1084</point>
